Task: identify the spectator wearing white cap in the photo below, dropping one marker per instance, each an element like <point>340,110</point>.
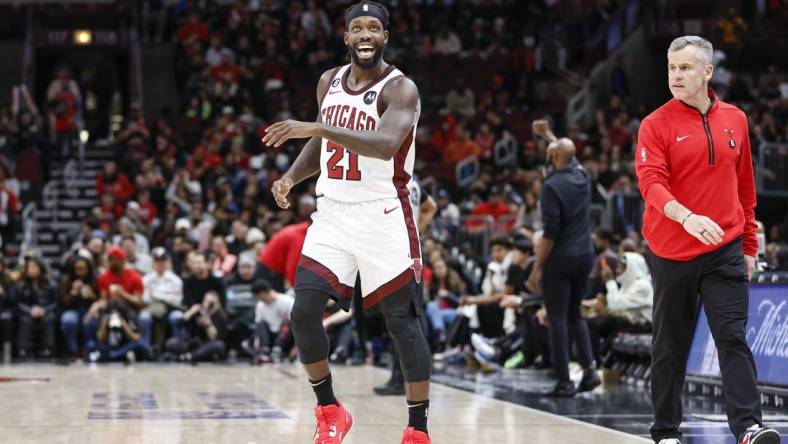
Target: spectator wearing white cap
<point>255,240</point>
<point>183,225</point>
<point>162,296</point>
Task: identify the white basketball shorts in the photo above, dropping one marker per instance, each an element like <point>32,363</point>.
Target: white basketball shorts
<point>376,239</point>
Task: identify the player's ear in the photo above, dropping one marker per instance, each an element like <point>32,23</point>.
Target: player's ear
<point>345,38</point>
<point>386,37</point>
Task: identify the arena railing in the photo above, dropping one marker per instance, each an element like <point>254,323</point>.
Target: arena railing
<point>771,171</point>
<point>466,171</point>
<point>29,230</point>
<point>471,231</point>
<point>505,151</point>
<point>624,212</point>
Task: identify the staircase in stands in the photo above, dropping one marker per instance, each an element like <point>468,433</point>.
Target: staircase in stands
<point>53,223</point>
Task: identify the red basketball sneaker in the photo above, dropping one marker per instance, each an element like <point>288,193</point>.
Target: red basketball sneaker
<point>413,436</point>
<point>333,424</point>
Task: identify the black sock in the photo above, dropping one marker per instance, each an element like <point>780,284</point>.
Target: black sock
<point>324,391</point>
<point>417,414</point>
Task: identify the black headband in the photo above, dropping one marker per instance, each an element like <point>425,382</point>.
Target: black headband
<point>366,9</point>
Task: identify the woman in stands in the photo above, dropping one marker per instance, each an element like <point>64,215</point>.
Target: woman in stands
<point>77,291</point>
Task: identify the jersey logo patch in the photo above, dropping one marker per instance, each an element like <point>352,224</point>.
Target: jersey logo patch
<point>643,154</point>
<point>335,83</point>
<point>731,141</point>
<point>370,97</point>
<point>387,211</point>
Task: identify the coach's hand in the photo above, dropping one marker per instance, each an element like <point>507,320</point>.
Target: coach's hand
<point>281,132</point>
<point>750,262</point>
<point>703,229</point>
<point>280,190</point>
<point>540,127</point>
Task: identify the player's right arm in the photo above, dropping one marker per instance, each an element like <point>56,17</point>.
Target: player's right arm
<point>307,164</point>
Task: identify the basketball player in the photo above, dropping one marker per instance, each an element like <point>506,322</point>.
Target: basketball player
<point>363,147</point>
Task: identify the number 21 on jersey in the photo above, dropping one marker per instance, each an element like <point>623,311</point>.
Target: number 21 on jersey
<point>337,171</point>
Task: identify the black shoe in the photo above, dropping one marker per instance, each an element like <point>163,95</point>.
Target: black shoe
<point>564,389</point>
<point>759,435</point>
<point>589,382</point>
<point>390,388</point>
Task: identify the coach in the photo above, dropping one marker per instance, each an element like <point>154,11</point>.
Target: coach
<point>564,257</point>
<point>695,172</point>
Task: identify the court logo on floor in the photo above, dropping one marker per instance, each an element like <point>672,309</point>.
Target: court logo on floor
<point>203,405</point>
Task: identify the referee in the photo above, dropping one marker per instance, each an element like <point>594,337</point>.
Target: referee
<point>695,172</point>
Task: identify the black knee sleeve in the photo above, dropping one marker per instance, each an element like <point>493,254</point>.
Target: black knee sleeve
<point>307,325</point>
<point>403,319</point>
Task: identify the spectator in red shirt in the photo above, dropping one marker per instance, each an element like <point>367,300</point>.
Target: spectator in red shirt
<point>114,182</point>
<point>282,253</point>
<point>495,206</point>
<point>64,102</point>
<point>618,134</point>
<point>193,30</point>
<point>109,211</point>
<point>148,210</point>
<point>123,284</point>
<point>225,71</point>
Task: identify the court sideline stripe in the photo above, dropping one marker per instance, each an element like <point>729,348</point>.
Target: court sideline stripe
<point>565,418</point>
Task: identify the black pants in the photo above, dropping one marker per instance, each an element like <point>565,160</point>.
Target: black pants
<point>564,282</point>
<point>720,278</point>
<point>46,324</point>
<point>200,350</point>
<point>270,338</point>
<point>7,325</point>
<point>603,330</point>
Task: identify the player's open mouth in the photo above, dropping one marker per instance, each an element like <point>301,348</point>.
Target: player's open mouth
<point>365,50</point>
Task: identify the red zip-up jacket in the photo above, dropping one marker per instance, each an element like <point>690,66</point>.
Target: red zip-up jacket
<point>705,163</point>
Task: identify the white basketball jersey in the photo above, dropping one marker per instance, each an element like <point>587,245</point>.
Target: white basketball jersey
<point>346,176</point>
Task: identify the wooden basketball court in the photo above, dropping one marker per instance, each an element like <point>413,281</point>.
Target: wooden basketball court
<point>238,404</point>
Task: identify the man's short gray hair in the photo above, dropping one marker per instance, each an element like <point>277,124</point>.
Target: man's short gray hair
<point>705,48</point>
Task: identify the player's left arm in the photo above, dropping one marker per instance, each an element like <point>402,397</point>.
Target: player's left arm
<point>401,100</point>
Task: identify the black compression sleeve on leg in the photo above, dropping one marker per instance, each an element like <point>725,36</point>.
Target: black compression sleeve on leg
<point>307,324</point>
<point>404,326</point>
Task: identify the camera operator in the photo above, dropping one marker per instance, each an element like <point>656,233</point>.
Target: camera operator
<point>206,324</point>
<point>118,336</point>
